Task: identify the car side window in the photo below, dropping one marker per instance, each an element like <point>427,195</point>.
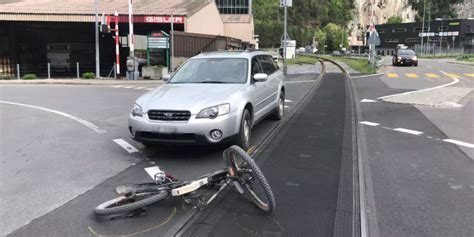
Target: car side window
<point>267,64</point>
<point>255,66</point>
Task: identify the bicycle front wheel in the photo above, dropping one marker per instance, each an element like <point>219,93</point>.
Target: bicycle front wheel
<point>250,177</point>
<point>127,203</point>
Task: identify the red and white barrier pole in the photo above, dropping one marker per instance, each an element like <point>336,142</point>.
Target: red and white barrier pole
<point>117,49</point>
<point>130,24</point>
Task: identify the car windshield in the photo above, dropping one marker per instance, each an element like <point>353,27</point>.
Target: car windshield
<point>212,70</point>
<point>406,52</point>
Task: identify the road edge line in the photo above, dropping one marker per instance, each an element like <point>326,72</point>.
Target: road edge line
<point>69,116</point>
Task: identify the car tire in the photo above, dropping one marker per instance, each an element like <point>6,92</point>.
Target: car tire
<point>415,64</point>
<point>280,109</point>
<point>242,139</point>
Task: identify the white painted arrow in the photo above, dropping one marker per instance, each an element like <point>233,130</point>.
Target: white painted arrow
<point>367,101</point>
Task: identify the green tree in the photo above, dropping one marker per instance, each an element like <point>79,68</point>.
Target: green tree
<point>394,20</point>
<point>335,36</point>
<point>438,8</point>
<point>304,18</point>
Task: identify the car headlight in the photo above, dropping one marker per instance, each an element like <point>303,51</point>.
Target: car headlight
<point>214,111</point>
<point>399,58</point>
<point>415,58</point>
<point>137,110</point>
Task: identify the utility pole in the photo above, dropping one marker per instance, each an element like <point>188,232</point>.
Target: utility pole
<point>423,25</point>
<point>97,53</point>
<point>172,43</point>
<point>427,45</point>
<point>285,35</point>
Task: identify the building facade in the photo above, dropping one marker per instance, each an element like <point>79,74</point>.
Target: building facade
<point>440,36</point>
<point>35,32</point>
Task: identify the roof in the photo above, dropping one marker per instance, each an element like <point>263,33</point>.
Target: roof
<point>236,18</point>
<point>87,7</point>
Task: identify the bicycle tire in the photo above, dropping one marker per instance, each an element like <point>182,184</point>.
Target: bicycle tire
<point>105,208</point>
<point>258,175</point>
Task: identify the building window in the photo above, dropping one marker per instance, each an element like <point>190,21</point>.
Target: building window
<point>420,29</point>
<point>391,40</point>
<point>399,30</point>
<point>233,6</point>
<point>436,40</point>
<point>412,40</point>
<point>443,28</point>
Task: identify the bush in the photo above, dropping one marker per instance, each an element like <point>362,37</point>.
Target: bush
<point>88,75</point>
<point>29,77</point>
<point>5,77</point>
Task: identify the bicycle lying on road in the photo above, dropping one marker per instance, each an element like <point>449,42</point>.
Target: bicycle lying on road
<point>242,173</point>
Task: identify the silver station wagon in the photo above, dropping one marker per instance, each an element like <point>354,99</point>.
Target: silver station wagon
<point>212,98</point>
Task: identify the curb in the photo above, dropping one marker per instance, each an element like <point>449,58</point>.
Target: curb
<point>78,82</point>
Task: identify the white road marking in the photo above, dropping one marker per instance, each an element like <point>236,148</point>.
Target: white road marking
<point>118,86</point>
<point>69,116</point>
<point>367,101</point>
<point>455,80</point>
<point>369,123</point>
<point>300,81</point>
<point>460,143</point>
<point>372,75</point>
<point>287,107</point>
<point>409,131</point>
<point>430,137</point>
<point>386,128</point>
<point>128,87</point>
<point>139,88</point>
<point>288,101</point>
<point>125,145</point>
<point>150,89</point>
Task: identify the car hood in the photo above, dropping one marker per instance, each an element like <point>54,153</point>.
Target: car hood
<point>192,97</point>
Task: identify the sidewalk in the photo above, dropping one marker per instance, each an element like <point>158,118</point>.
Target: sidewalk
<point>81,82</point>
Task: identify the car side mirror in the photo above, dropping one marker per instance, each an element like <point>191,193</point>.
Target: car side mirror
<point>166,77</point>
<point>260,77</point>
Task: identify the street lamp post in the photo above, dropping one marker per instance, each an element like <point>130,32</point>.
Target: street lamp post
<point>97,53</point>
<point>285,34</point>
<point>423,25</point>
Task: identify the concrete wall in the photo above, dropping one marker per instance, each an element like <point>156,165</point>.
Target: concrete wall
<point>240,30</point>
<point>206,21</point>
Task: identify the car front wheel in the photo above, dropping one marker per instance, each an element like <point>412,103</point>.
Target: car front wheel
<point>243,138</point>
<point>280,109</point>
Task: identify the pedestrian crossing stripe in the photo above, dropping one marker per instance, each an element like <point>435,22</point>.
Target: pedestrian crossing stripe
<point>412,75</point>
<point>453,75</point>
<point>469,74</point>
<point>392,75</point>
<point>431,75</point>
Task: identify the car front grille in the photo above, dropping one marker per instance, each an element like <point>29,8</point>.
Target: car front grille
<point>160,137</point>
<point>169,115</point>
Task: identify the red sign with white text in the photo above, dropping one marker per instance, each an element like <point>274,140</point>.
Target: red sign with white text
<point>152,19</point>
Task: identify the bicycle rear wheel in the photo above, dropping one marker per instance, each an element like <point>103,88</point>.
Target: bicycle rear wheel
<point>127,203</point>
<point>250,177</point>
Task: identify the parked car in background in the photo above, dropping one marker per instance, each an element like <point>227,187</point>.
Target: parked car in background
<point>212,98</point>
<point>301,50</point>
<point>404,57</point>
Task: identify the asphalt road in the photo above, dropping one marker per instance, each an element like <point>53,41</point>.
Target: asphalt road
<point>417,183</point>
<point>59,169</point>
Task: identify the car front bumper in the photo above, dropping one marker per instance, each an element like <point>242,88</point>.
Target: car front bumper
<point>406,61</point>
<point>194,130</point>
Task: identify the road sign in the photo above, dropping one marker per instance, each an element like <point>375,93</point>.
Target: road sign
<point>374,39</point>
<point>289,3</point>
<point>158,40</point>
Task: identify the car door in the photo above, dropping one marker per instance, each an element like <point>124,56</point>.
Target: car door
<point>258,90</point>
<point>272,83</point>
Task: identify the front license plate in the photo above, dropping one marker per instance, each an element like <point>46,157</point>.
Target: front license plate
<point>165,129</point>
